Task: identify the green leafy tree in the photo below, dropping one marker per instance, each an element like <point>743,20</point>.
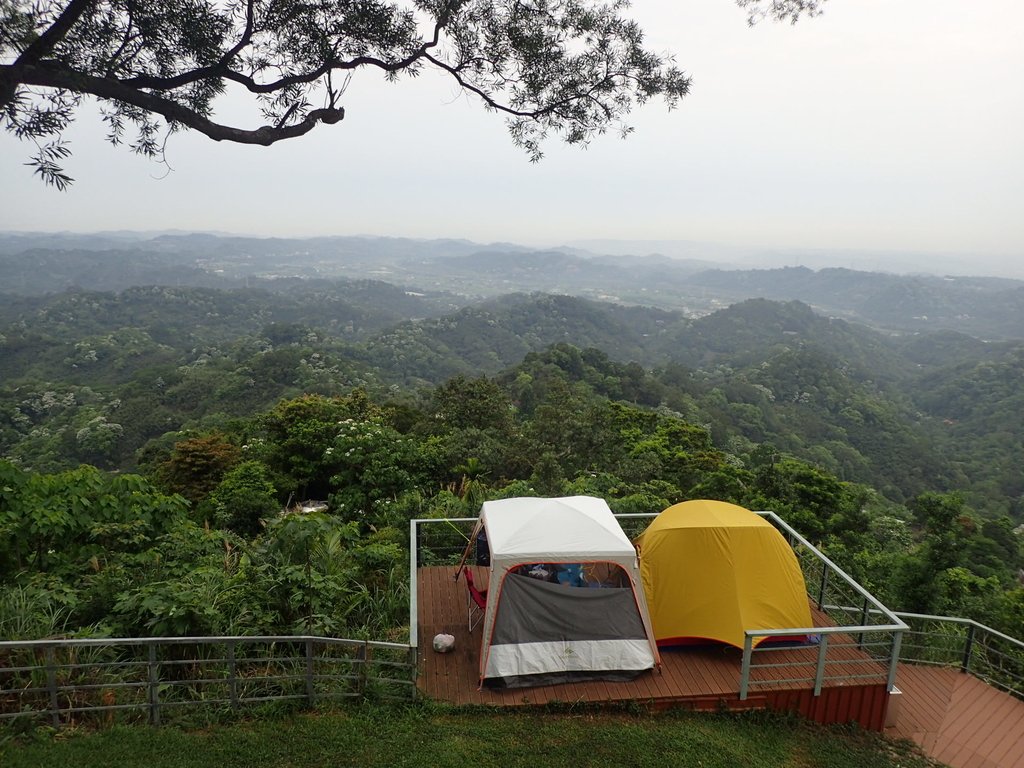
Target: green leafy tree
<point>197,465</point>
<point>61,521</point>
<point>547,475</point>
<point>372,465</point>
<point>481,403</point>
<point>812,500</point>
<point>244,499</point>
<point>946,529</point>
<point>472,418</point>
<point>98,441</point>
<point>295,435</point>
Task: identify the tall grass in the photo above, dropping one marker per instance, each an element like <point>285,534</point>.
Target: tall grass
<point>31,614</point>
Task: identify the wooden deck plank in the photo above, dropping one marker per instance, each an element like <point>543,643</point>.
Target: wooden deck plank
<point>674,679</point>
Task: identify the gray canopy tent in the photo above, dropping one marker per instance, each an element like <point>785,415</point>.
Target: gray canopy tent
<point>564,599</point>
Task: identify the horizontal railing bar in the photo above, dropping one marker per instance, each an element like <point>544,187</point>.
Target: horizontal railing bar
<point>865,629</point>
<point>240,700</point>
<point>117,684</point>
<point>826,678</point>
<point>954,641</point>
<point>209,681</point>
<point>780,665</point>
<point>876,676</point>
<point>97,686</point>
<point>201,641</point>
<point>99,665</point>
<point>956,620</point>
<point>254,660</point>
<point>21,691</point>
<point>852,662</point>
<point>196,702</point>
<point>831,663</point>
<point>954,650</point>
<point>931,662</point>
<point>782,681</point>
<point>1000,654</point>
<point>932,617</point>
<point>72,710</point>
<point>854,611</point>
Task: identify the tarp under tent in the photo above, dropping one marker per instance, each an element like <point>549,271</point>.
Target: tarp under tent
<point>711,570</point>
<point>564,601</point>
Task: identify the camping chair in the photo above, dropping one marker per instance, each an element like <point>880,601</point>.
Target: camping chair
<point>476,600</point>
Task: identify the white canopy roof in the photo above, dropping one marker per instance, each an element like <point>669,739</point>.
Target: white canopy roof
<point>553,629</point>
<point>568,529</point>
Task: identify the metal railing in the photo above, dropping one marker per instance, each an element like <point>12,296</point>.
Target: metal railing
<point>975,648</point>
<point>66,680</point>
<point>433,541</point>
<point>862,623</point>
<point>867,625</point>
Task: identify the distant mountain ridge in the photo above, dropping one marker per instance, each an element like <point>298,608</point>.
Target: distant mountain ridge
<point>984,307</point>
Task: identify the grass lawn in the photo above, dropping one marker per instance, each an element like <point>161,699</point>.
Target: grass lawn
<point>441,737</point>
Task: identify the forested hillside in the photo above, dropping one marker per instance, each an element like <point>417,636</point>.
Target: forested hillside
<point>92,377</point>
<point>151,437</point>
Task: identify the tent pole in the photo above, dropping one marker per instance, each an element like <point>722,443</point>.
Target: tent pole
<point>465,552</point>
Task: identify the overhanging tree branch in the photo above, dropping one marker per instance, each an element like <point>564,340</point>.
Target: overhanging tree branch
<point>48,75</point>
<point>42,45</point>
<point>573,68</point>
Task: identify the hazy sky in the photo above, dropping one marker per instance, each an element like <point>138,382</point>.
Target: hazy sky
<point>888,125</point>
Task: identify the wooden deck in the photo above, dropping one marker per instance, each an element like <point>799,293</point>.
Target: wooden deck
<point>693,677</point>
<point>958,719</point>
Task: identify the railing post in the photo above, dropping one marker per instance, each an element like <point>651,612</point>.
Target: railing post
<point>232,676</point>
<point>897,640</point>
<point>154,687</point>
<point>414,670</point>
<point>51,686</point>
<point>310,693</point>
<point>965,664</point>
<point>824,584</point>
<point>819,672</point>
<point>748,650</point>
<point>414,536</point>
<point>363,671</point>
<point>864,614</point>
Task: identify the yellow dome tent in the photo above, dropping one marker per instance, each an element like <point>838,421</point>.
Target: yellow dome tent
<point>711,570</point>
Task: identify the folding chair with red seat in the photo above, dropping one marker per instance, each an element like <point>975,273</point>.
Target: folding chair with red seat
<point>476,600</point>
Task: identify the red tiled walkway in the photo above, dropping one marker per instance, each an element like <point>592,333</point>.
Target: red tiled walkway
<point>958,719</point>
